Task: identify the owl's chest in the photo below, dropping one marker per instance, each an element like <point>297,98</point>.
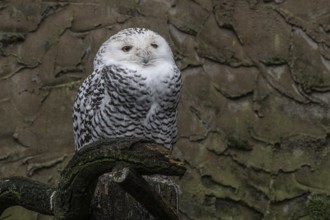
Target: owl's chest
<point>148,83</point>
<point>142,88</point>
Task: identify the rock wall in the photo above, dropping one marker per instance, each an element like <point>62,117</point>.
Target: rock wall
<point>254,116</point>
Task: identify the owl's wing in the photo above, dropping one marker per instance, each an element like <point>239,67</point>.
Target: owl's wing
<point>176,83</point>
<point>88,99</point>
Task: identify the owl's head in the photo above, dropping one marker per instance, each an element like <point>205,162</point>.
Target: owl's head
<point>134,47</point>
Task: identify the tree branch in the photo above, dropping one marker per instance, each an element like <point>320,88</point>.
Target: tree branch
<point>78,180</point>
<point>142,192</point>
<point>27,193</point>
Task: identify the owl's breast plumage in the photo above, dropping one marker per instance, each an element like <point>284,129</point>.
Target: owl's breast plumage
<point>124,103</point>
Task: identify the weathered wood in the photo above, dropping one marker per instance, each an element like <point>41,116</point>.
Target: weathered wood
<point>140,189</point>
<point>111,202</point>
<point>78,180</point>
<point>25,192</point>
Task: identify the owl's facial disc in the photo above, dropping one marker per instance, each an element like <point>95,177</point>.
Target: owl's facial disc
<point>136,49</point>
<point>142,54</point>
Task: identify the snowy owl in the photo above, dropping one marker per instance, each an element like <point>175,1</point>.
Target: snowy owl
<point>133,91</point>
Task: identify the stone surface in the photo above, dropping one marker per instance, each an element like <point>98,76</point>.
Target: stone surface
<point>254,117</point>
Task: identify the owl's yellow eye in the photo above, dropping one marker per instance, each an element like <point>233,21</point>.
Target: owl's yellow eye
<point>154,45</point>
<point>126,48</point>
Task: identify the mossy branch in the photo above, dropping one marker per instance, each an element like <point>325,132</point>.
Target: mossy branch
<point>76,187</point>
<point>25,192</point>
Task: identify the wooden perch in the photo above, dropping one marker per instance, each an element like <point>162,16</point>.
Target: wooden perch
<point>25,192</point>
<point>142,192</point>
<point>73,196</point>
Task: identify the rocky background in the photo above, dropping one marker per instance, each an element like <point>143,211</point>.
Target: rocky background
<point>254,116</point>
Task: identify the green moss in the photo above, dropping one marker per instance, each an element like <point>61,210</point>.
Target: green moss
<point>310,80</point>
<point>15,194</point>
<point>9,37</point>
<point>326,27</point>
<point>318,207</point>
<point>274,61</point>
<point>240,144</point>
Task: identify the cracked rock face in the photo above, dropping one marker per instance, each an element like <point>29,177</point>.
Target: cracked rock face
<point>254,119</point>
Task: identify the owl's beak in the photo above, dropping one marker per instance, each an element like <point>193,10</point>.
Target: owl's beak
<point>145,57</point>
